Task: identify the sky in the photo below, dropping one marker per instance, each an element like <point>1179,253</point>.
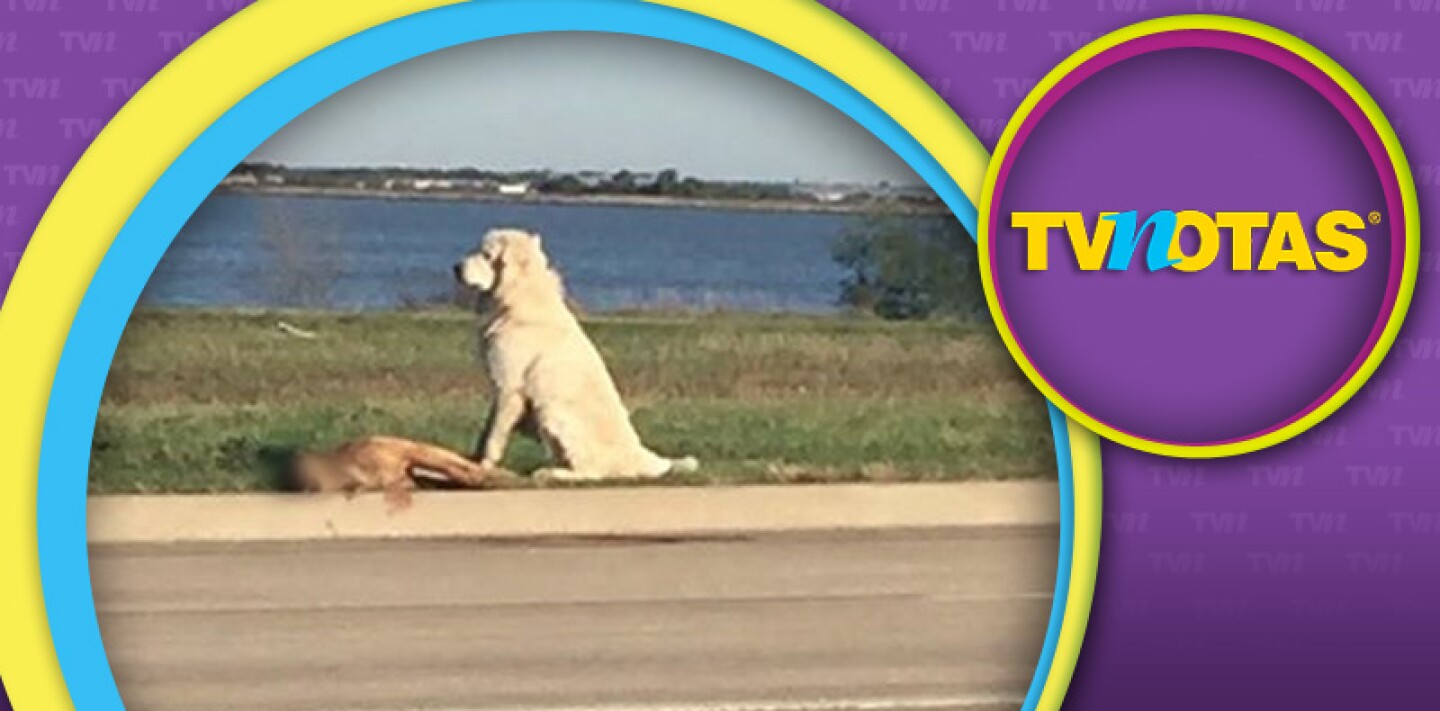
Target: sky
<point>573,101</point>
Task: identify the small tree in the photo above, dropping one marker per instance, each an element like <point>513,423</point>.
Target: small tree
<point>905,266</point>
<point>622,181</point>
<point>666,180</point>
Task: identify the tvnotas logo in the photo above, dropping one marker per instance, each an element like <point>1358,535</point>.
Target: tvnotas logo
<point>1282,239</point>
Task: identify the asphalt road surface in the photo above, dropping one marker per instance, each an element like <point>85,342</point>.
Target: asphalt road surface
<point>937,619</point>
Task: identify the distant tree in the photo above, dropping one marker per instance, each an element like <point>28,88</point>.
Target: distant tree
<point>689,187</point>
<point>910,266</point>
<point>565,184</point>
<point>622,181</point>
<point>666,180</point>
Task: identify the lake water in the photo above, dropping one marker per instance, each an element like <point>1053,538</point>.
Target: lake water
<point>272,251</point>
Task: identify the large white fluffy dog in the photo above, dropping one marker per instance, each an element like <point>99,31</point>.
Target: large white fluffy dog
<point>545,371</point>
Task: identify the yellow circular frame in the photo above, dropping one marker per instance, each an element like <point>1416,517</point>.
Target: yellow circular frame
<point>250,49</point>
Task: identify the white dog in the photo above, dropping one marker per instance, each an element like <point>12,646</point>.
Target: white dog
<point>547,373</point>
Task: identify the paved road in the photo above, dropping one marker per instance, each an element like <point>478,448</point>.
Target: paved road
<point>881,622</point>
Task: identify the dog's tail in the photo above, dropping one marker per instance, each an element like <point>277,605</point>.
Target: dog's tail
<point>684,465</point>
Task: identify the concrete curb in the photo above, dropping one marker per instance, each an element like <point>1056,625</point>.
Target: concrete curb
<point>650,511</point>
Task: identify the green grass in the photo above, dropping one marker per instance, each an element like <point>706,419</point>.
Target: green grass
<point>217,401</point>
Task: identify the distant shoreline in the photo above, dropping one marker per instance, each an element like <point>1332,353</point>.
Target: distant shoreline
<point>611,200</point>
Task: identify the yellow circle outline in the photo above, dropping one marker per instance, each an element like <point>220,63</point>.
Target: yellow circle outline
<point>1408,200</point>
<point>209,77</point>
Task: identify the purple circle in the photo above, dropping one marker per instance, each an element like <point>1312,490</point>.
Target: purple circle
<point>1214,122</point>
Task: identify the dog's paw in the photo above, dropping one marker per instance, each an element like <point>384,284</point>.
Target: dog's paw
<point>549,476</point>
<point>684,465</point>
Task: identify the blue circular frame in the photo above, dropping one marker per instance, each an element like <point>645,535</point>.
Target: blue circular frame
<point>147,234</point>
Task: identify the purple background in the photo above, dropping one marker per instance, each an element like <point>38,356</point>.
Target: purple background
<point>1307,576</point>
<point>1191,357</point>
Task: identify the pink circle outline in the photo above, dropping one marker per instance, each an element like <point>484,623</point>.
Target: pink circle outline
<point>1313,77</point>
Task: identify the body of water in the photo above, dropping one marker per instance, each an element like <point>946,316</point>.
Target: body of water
<point>280,251</point>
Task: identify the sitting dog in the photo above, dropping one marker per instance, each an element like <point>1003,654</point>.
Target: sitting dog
<point>546,373</point>
<point>392,465</point>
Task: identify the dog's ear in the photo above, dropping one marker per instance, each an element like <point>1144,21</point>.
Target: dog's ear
<point>524,254</point>
<point>514,254</point>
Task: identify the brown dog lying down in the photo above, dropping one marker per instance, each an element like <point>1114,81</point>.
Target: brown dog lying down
<point>395,466</point>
